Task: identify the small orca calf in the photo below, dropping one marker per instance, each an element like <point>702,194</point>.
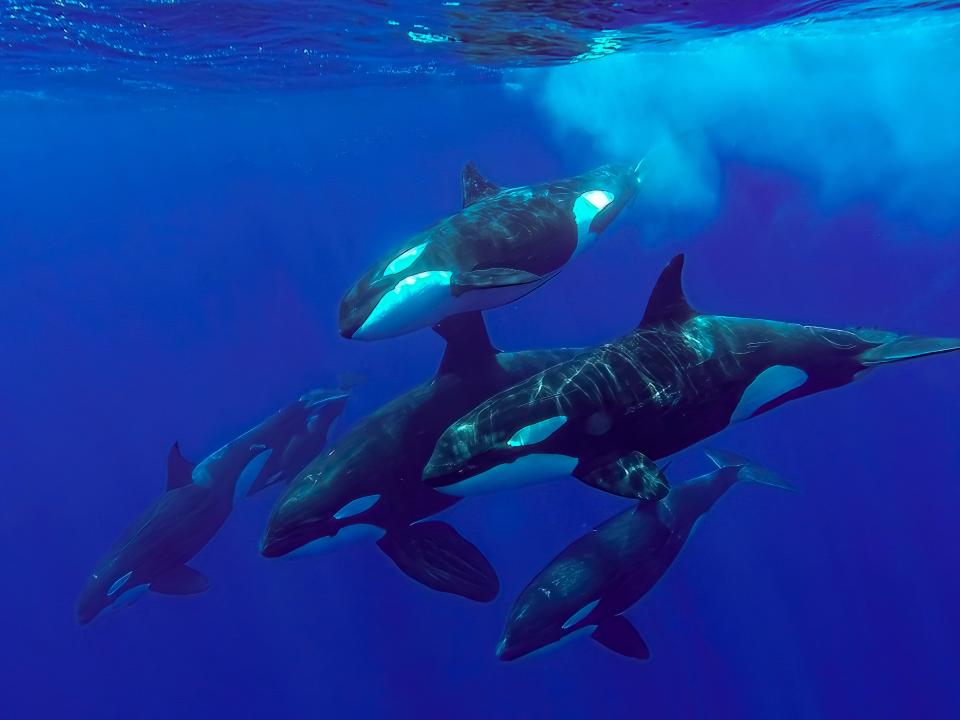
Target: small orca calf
<point>367,484</point>
<point>503,244</point>
<point>599,576</point>
<point>153,552</point>
<point>681,376</point>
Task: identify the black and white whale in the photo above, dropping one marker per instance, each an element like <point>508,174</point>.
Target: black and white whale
<point>503,244</point>
<point>587,587</point>
<point>367,484</point>
<point>153,553</point>
<point>679,377</point>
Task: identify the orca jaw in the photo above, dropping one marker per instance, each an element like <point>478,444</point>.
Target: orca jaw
<point>507,651</point>
<point>375,306</point>
<point>525,631</point>
<point>463,454</point>
<point>293,523</point>
<point>356,307</point>
<point>450,468</point>
<point>280,540</point>
<point>99,595</point>
<point>90,605</point>
<point>299,520</point>
<point>521,640</point>
<point>320,536</point>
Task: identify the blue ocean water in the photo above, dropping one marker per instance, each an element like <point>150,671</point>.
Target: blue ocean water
<point>187,189</point>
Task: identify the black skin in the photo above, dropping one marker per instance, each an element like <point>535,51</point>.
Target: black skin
<point>199,500</point>
<point>384,455</point>
<point>617,563</point>
<point>672,382</point>
<point>529,228</point>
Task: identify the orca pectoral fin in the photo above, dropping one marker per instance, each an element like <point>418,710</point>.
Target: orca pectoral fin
<point>181,580</point>
<point>490,279</point>
<point>632,476</point>
<point>436,555</point>
<point>619,635</point>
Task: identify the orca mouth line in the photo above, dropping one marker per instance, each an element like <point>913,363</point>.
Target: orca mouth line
<point>508,652</point>
<point>86,615</point>
<point>349,331</point>
<point>275,546</point>
<point>272,548</point>
<point>442,475</point>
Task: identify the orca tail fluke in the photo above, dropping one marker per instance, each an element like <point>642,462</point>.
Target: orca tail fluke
<point>436,555</point>
<point>292,424</point>
<point>748,471</point>
<point>907,348</point>
<point>269,474</point>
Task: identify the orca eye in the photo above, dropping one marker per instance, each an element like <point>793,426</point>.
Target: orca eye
<point>404,260</point>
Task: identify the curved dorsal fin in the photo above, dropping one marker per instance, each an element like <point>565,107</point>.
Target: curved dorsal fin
<point>667,302</point>
<point>179,469</point>
<point>475,186</point>
<point>468,345</point>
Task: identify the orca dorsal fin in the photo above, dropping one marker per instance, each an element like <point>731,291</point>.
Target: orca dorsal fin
<point>475,186</point>
<point>468,344</point>
<point>179,469</point>
<point>667,302</point>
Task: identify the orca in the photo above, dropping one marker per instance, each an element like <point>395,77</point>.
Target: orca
<point>678,378</point>
<point>153,552</point>
<point>587,587</point>
<point>367,484</point>
<point>503,244</point>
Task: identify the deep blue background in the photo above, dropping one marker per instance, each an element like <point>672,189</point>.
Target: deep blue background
<point>173,273</point>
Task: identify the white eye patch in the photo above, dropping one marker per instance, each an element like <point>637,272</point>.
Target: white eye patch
<point>356,506</point>
<point>536,432</point>
<point>404,260</point>
<point>585,209</point>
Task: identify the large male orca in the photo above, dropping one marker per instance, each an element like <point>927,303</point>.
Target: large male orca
<point>681,376</point>
<point>503,244</point>
<point>153,552</point>
<point>368,483</point>
<point>599,576</point>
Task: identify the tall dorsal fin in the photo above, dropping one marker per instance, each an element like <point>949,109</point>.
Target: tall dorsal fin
<point>179,469</point>
<point>475,186</point>
<point>667,302</point>
<point>469,349</point>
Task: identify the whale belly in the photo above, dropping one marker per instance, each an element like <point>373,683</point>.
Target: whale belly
<point>527,470</point>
